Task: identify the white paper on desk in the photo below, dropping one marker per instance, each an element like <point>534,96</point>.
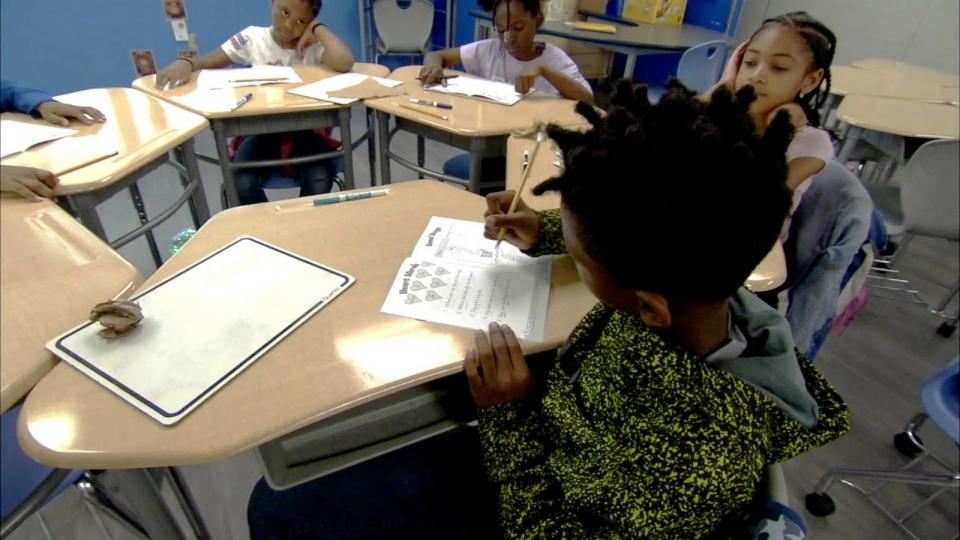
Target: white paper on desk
<point>322,88</point>
<point>498,92</point>
<point>214,79</point>
<point>203,326</point>
<point>18,136</point>
<point>455,277</point>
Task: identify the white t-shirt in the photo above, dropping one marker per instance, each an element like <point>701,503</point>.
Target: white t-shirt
<point>808,141</point>
<point>255,46</point>
<point>491,60</point>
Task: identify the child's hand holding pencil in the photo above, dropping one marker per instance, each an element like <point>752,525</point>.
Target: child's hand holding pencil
<point>520,227</point>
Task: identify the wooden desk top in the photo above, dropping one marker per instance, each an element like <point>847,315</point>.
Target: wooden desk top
<point>267,99</point>
<point>901,117</point>
<point>855,80</point>
<point>668,37</point>
<point>138,127</point>
<point>54,270</point>
<point>769,274</point>
<point>918,73</point>
<point>473,117</point>
<point>347,354</point>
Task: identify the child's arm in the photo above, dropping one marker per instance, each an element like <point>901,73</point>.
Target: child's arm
<point>568,87</point>
<point>729,76</point>
<point>812,148</point>
<point>433,64</point>
<point>336,54</point>
<point>179,71</point>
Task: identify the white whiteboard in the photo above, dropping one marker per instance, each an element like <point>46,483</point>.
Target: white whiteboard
<point>203,326</point>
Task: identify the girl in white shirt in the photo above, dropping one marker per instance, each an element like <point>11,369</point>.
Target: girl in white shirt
<point>513,56</point>
<point>293,38</point>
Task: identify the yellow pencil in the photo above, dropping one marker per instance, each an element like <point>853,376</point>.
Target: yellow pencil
<point>541,136</point>
<point>90,161</point>
<point>424,111</point>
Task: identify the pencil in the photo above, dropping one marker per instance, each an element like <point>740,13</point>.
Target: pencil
<point>86,163</point>
<point>523,182</point>
<point>424,111</point>
<point>260,79</point>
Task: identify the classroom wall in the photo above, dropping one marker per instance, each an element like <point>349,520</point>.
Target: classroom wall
<point>922,32</point>
<point>68,45</point>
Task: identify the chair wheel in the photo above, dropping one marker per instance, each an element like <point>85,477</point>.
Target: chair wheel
<point>906,446</point>
<point>820,505</point>
<point>946,329</point>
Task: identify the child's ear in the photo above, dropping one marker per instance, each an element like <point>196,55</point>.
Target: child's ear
<point>811,81</point>
<point>539,19</point>
<point>653,308</point>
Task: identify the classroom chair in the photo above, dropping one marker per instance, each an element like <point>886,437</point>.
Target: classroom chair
<point>402,31</point>
<point>828,229</point>
<point>941,400</point>
<point>699,68</point>
<point>923,198</point>
<point>28,485</point>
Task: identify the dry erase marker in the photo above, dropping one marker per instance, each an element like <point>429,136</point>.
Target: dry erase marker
<point>343,197</point>
<point>423,111</point>
<point>427,102</point>
<point>242,101</point>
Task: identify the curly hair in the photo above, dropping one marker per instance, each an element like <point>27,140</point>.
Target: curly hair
<point>682,197</point>
<point>823,45</point>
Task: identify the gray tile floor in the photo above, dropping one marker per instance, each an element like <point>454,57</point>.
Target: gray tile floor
<point>878,364</point>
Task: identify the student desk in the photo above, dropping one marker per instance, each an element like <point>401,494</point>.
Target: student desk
<point>897,117</point>
<point>272,110</point>
<point>917,73</point>
<point>481,127</point>
<point>54,271</point>
<point>631,41</point>
<point>143,131</point>
<point>346,355</point>
<point>768,275</point>
<point>855,80</point>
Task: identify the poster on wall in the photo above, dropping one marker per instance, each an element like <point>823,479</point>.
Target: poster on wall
<point>174,9</point>
<point>143,62</point>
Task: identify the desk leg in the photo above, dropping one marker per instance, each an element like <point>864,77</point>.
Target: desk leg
<point>853,134</point>
<point>421,154</point>
<point>476,153</point>
<point>198,201</point>
<point>144,496</point>
<point>629,65</point>
<point>142,215</point>
<point>383,146</point>
<point>347,142</point>
<point>225,169</point>
<point>371,145</point>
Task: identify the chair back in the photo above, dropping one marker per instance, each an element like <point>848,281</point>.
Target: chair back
<point>403,30</point>
<point>700,66</point>
<point>930,191</point>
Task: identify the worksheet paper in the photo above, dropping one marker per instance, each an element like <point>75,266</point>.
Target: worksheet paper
<point>18,136</point>
<point>498,92</point>
<point>214,79</point>
<point>322,88</point>
<point>455,276</point>
<point>203,326</point>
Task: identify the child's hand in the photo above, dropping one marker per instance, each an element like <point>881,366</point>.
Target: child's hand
<point>61,113</point>
<point>797,117</point>
<point>431,75</point>
<point>522,226</point>
<point>174,75</point>
<point>527,76</point>
<point>28,182</point>
<point>729,76</point>
<point>307,39</point>
<point>496,370</point>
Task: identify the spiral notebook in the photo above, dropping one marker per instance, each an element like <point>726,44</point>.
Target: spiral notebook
<point>203,326</point>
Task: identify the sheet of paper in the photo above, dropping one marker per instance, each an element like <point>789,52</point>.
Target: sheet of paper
<point>18,136</point>
<point>322,88</point>
<point>455,276</point>
<point>214,79</point>
<point>203,326</point>
<point>498,92</point>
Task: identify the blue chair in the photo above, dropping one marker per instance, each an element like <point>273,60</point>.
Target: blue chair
<point>25,485</point>
<point>699,68</point>
<point>941,403</point>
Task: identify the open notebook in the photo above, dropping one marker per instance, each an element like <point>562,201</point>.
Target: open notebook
<point>337,89</point>
<point>18,136</point>
<point>497,92</point>
<point>203,326</point>
<point>455,276</point>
